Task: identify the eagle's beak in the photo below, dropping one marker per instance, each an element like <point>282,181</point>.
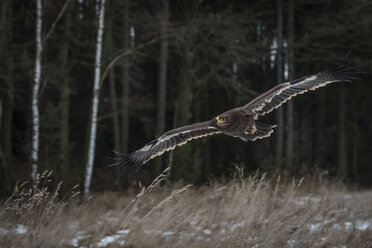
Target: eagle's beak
<point>219,120</point>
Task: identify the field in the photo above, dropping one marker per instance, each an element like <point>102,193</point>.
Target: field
<point>254,211</point>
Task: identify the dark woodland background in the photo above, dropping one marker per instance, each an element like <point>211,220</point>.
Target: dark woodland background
<point>218,55</point>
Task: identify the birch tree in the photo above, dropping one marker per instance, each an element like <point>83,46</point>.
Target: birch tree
<point>36,86</point>
<point>35,92</point>
<point>95,103</point>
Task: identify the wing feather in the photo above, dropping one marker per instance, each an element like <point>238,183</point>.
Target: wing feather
<point>282,93</point>
<point>167,142</point>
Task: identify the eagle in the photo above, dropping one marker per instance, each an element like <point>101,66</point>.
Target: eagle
<point>240,122</point>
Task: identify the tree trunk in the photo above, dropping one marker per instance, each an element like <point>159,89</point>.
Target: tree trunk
<point>113,96</point>
<point>355,137</point>
<point>342,156</point>
<point>6,97</point>
<point>95,103</point>
<point>171,153</point>
<point>289,140</point>
<point>207,169</point>
<point>279,139</point>
<point>162,83</point>
<point>64,104</point>
<point>183,161</point>
<point>125,81</point>
<point>35,92</point>
<point>319,126</point>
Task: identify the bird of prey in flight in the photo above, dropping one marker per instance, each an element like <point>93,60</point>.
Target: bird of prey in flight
<point>239,122</point>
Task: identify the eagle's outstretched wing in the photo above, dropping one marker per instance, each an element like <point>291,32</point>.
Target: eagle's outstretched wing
<point>280,94</point>
<point>166,142</point>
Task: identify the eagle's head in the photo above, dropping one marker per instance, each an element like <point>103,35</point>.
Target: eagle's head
<point>222,120</point>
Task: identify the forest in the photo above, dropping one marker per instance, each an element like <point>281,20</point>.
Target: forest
<point>168,64</point>
<point>84,80</point>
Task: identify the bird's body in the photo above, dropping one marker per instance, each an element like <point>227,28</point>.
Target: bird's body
<point>239,122</point>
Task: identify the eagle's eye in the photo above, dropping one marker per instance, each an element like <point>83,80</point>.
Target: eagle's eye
<point>221,119</point>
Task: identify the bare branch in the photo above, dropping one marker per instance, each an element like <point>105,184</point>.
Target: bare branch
<point>126,53</point>
<point>60,14</point>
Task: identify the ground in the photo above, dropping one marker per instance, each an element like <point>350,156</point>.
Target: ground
<point>247,212</point>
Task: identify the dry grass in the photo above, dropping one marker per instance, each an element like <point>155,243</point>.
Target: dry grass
<point>250,212</point>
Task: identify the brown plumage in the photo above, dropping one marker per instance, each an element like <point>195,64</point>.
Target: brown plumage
<point>239,122</point>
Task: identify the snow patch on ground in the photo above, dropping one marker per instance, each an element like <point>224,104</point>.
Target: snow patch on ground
<point>21,229</point>
<point>124,231</point>
<point>314,227</point>
<point>168,233</point>
<point>291,243</point>
<point>319,225</point>
<point>363,225</point>
<point>360,225</point>
<point>108,240</point>
<point>3,231</point>
<point>120,234</point>
<point>302,200</point>
<point>233,226</point>
<point>348,225</point>
<point>79,236</point>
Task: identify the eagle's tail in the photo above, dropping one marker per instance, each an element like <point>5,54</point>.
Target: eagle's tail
<point>262,131</point>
